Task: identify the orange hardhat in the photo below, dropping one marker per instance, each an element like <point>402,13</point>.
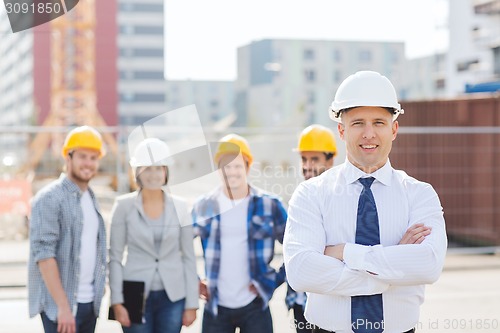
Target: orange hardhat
<point>83,137</point>
<point>233,144</point>
<point>317,138</point>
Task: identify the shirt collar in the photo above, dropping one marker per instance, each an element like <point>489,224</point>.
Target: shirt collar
<point>383,175</point>
<point>69,185</point>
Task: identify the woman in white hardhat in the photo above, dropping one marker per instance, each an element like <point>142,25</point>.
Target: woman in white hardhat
<point>155,230</point>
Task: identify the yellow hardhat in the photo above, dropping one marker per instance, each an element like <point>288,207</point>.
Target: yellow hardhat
<point>233,144</point>
<point>83,137</point>
<point>317,138</point>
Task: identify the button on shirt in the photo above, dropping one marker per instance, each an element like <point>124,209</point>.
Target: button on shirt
<point>322,212</point>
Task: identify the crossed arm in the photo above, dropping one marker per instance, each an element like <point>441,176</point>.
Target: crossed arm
<point>349,269</point>
<point>414,235</point>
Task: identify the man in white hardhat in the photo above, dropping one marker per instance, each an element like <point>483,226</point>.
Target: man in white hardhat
<point>363,238</point>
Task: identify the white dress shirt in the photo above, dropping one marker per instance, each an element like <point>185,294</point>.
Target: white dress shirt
<point>323,211</point>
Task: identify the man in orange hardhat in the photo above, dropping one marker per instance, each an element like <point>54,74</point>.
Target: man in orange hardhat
<point>238,225</point>
<point>67,264</point>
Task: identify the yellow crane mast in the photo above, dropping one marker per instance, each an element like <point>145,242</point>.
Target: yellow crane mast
<point>73,89</point>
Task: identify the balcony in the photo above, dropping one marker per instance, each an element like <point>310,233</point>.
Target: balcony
<point>488,7</point>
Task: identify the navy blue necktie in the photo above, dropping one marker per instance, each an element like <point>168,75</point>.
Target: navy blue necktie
<point>367,311</point>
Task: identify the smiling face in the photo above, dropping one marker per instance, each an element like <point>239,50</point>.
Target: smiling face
<point>234,172</point>
<point>368,133</point>
<point>151,177</point>
<point>314,163</point>
<point>82,165</point>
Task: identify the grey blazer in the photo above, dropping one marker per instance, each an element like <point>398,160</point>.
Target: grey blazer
<point>132,238</point>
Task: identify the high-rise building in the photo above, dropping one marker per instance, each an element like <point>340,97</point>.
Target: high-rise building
<point>141,85</point>
<point>474,47</point>
<point>214,100</point>
<point>26,69</point>
<point>291,82</point>
<point>17,88</point>
<point>425,77</point>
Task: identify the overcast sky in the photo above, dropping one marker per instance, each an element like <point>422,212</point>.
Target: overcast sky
<point>201,37</point>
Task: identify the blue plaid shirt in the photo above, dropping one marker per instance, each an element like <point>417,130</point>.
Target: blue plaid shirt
<point>291,297</point>
<point>265,223</point>
<point>55,232</point>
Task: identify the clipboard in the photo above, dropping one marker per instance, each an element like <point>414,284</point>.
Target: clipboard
<point>133,301</point>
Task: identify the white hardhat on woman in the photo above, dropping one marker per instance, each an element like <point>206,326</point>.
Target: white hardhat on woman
<point>151,152</point>
<point>365,88</point>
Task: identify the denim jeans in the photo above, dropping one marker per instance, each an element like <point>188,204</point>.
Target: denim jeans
<point>250,319</point>
<point>161,315</point>
<point>85,320</point>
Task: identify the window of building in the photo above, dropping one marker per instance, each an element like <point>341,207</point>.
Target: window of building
<point>496,60</point>
<point>309,54</point>
<point>214,103</point>
<point>141,52</point>
<point>139,7</point>
<point>394,57</point>
<point>466,65</point>
<point>337,76</point>
<point>143,97</point>
<point>148,30</point>
<point>440,83</point>
<point>365,56</point>
<point>310,75</point>
<point>126,29</point>
<point>148,52</point>
<point>311,97</point>
<point>337,55</point>
<point>148,75</point>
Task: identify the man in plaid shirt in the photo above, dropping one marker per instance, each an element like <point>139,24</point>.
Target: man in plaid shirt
<point>67,264</point>
<point>238,225</point>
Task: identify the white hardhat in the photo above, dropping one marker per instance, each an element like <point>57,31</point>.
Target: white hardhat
<point>151,151</point>
<point>365,88</point>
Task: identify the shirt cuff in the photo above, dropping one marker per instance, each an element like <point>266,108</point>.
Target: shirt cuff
<point>354,256</point>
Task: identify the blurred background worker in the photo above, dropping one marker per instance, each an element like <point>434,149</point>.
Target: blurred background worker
<point>67,265</point>
<point>153,231</point>
<point>238,225</point>
<point>317,149</point>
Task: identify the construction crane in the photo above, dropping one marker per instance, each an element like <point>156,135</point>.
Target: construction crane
<point>73,90</point>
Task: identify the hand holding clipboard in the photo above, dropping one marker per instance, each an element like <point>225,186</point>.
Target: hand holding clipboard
<point>133,301</point>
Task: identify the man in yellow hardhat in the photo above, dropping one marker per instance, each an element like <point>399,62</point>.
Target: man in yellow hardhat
<point>317,149</point>
<point>238,225</point>
<point>67,264</point>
